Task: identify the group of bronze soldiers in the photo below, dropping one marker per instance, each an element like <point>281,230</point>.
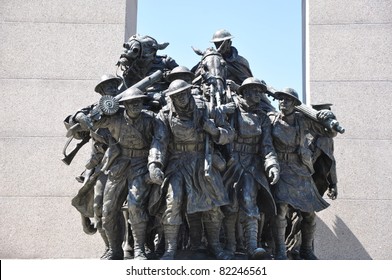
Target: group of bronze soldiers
<point>215,178</point>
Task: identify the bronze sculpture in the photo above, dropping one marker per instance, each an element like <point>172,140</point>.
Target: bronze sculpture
<point>137,137</point>
<point>324,162</point>
<point>93,178</point>
<point>295,188</point>
<point>203,149</point>
<point>253,160</point>
<point>187,185</point>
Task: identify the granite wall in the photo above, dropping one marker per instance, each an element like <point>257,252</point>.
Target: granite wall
<point>350,65</point>
<point>52,53</point>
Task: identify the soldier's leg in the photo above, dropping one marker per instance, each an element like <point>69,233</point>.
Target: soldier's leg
<point>112,218</point>
<point>249,216</point>
<point>128,238</point>
<point>279,224</point>
<point>195,231</point>
<point>293,239</point>
<point>172,216</point>
<point>213,222</point>
<point>229,225</point>
<point>98,203</point>
<point>308,227</point>
<point>138,216</point>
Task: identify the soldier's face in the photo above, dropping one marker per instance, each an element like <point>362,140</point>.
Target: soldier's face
<point>286,105</point>
<point>109,88</point>
<point>252,96</point>
<point>133,107</point>
<point>223,47</point>
<point>181,99</point>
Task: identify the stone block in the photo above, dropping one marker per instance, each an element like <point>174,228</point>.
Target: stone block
<point>32,167</point>
<point>350,52</point>
<point>359,12</point>
<point>364,169</point>
<point>59,50</point>
<point>354,230</point>
<point>85,11</point>
<point>44,228</point>
<point>38,107</point>
<point>361,106</point>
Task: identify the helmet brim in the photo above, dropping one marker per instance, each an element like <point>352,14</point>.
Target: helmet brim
<point>171,93</point>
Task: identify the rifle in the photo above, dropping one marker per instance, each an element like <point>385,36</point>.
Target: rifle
<point>311,113</point>
<point>208,149</point>
<point>68,158</point>
<point>109,105</point>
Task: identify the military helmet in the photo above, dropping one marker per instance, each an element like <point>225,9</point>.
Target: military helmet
<point>288,92</point>
<point>106,78</point>
<point>178,72</point>
<point>252,81</point>
<point>177,86</point>
<point>221,35</point>
<point>132,93</point>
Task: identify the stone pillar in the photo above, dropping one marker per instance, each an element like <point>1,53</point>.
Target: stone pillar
<point>350,65</point>
<point>52,53</point>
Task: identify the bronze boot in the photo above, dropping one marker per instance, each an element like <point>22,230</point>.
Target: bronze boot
<point>106,241</point>
<point>195,232</point>
<point>170,235</point>
<point>306,249</point>
<point>250,232</point>
<point>139,237</point>
<point>278,232</point>
<point>214,245</point>
<point>115,234</point>
<point>229,225</point>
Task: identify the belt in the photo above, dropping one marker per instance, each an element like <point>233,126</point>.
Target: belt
<point>246,148</point>
<point>250,140</point>
<point>287,156</point>
<point>189,147</point>
<point>134,153</point>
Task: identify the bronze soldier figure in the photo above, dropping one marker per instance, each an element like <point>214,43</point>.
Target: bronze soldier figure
<point>93,178</point>
<point>324,162</point>
<point>295,187</point>
<point>188,185</point>
<point>238,68</point>
<point>138,136</point>
<point>253,160</point>
<point>194,226</point>
<point>324,177</point>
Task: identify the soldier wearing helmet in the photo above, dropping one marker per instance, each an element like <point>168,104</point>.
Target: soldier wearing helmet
<point>180,72</point>
<point>108,85</point>
<point>187,189</point>
<point>89,199</point>
<point>296,188</point>
<point>137,135</point>
<point>238,68</point>
<point>253,167</point>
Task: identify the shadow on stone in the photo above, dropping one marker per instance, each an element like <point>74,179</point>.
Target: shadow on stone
<point>339,243</point>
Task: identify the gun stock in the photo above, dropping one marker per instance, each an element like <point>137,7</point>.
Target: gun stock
<point>68,158</point>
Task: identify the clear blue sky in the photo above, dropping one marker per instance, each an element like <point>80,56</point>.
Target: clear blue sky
<point>267,33</point>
